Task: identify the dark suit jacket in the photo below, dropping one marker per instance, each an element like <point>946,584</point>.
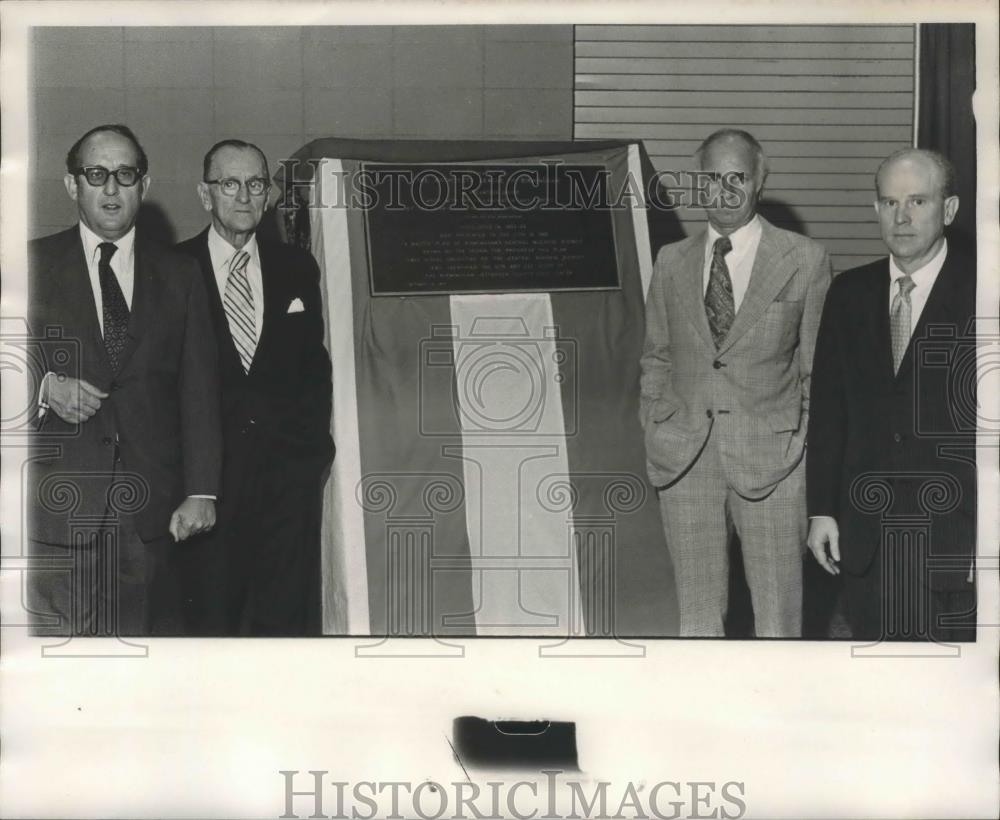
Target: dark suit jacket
<point>162,412</point>
<point>876,438</point>
<point>281,408</point>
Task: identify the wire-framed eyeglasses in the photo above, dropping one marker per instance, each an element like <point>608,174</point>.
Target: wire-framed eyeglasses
<point>230,186</point>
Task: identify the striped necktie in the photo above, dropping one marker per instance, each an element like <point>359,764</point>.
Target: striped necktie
<point>720,306</point>
<point>238,304</point>
<point>900,317</point>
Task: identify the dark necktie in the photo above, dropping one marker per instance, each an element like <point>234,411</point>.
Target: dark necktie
<point>115,309</point>
<point>900,315</point>
<point>719,304</point>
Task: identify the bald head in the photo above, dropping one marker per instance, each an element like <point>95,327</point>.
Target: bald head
<point>930,162</point>
<point>734,140</point>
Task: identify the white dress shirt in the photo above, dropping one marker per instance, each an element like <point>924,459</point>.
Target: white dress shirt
<point>739,260</point>
<point>923,280</point>
<point>122,264</point>
<point>222,254</point>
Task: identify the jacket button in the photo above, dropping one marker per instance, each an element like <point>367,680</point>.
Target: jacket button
<point>717,364</point>
<point>896,437</point>
<point>106,441</point>
<point>708,413</point>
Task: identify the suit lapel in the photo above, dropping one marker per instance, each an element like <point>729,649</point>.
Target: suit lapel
<point>144,292</point>
<point>772,268</point>
<point>229,357</point>
<point>73,276</point>
<point>691,288</point>
<point>937,310</point>
<point>272,299</point>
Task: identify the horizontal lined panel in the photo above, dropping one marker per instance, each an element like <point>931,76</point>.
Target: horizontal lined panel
<point>850,247</point>
<point>827,103</point>
<point>786,148</point>
<point>783,165</point>
<point>747,50</point>
<point>745,34</point>
<point>793,68</point>
<point>772,100</point>
<point>748,116</point>
<point>824,133</point>
<point>859,198</point>
<point>697,82</point>
<point>790,220</point>
<point>823,231</point>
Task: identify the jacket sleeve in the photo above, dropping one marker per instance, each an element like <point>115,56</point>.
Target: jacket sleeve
<point>820,276</point>
<point>316,396</point>
<point>656,363</point>
<point>827,432</point>
<point>201,423</point>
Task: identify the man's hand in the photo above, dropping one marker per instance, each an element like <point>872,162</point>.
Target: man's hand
<point>193,516</point>
<point>73,400</point>
<point>823,530</point>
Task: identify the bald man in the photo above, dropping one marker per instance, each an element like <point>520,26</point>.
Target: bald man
<point>891,468</point>
<point>731,320</point>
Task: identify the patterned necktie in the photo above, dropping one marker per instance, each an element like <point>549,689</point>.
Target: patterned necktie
<point>238,303</point>
<point>899,320</point>
<point>114,307</point>
<point>719,304</point>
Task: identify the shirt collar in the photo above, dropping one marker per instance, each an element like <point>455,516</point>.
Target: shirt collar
<point>220,249</point>
<point>923,275</point>
<point>91,242</point>
<point>740,238</point>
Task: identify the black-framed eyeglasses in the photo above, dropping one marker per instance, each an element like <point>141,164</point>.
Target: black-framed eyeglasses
<point>230,186</point>
<point>97,175</point>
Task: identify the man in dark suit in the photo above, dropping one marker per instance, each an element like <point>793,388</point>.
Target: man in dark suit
<point>128,446</point>
<point>891,466</point>
<point>276,399</point>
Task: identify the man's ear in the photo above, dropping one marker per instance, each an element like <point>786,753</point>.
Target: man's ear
<point>144,182</point>
<point>950,209</point>
<point>203,195</point>
<point>70,182</point>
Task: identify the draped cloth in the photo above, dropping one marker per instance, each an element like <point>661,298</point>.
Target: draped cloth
<point>945,120</point>
<point>452,510</point>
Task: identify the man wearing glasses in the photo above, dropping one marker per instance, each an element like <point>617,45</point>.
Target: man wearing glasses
<point>259,572</point>
<point>129,451</point>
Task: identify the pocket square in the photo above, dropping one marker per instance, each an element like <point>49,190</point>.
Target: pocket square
<point>296,306</point>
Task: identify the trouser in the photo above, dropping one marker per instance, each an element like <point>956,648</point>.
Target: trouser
<point>700,513</point>
<point>893,602</point>
<point>258,572</point>
<point>108,583</point>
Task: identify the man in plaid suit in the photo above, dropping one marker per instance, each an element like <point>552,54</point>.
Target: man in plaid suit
<point>731,320</point>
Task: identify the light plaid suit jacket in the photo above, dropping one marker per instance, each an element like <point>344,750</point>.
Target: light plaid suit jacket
<point>752,393</point>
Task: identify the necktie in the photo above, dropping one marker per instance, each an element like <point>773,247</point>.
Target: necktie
<point>719,305</point>
<point>114,308</point>
<point>899,320</point>
<point>238,304</point>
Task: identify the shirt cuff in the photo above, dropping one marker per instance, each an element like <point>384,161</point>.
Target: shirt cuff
<point>210,497</point>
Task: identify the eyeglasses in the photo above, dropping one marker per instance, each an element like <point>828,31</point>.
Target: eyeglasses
<point>97,175</point>
<point>231,186</point>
